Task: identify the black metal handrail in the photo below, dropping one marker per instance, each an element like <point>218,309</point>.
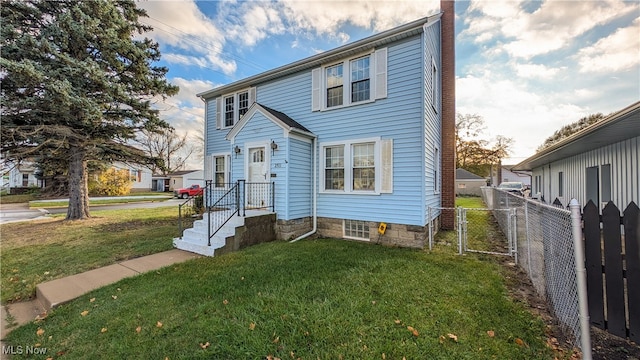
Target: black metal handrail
<point>223,209</point>
<point>223,201</point>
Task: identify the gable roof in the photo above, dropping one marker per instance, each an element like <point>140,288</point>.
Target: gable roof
<point>462,174</point>
<point>279,118</point>
<point>619,126</point>
<point>378,40</point>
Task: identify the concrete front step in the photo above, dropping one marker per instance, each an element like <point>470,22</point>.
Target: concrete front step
<point>196,239</point>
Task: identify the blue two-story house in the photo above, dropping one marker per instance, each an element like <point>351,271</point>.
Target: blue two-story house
<point>350,138</point>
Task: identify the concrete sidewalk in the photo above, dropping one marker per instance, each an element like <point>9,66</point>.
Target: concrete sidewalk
<point>56,292</point>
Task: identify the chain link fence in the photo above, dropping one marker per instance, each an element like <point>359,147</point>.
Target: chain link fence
<point>546,251</point>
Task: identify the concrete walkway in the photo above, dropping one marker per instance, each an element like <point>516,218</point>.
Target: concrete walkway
<point>56,292</point>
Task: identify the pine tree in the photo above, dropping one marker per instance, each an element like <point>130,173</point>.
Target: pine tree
<point>77,85</point>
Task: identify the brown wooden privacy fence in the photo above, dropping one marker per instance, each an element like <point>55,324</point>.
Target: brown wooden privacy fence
<point>612,256</point>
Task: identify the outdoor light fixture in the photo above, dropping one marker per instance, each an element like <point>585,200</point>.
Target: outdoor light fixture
<point>274,146</point>
<point>237,150</point>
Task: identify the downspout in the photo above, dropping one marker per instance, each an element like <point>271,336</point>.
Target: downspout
<point>315,194</point>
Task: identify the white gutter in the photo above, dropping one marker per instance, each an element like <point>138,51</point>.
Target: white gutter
<point>315,194</point>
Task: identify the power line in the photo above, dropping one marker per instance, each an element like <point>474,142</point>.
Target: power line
<point>206,45</point>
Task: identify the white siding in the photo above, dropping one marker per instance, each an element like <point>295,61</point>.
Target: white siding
<point>624,158</point>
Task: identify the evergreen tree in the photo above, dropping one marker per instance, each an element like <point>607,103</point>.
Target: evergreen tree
<point>77,85</point>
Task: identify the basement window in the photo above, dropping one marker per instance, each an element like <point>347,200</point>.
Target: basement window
<point>356,229</point>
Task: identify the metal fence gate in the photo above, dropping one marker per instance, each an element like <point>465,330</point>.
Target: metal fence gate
<point>478,230</point>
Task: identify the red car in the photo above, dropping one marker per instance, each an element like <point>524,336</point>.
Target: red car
<point>193,190</point>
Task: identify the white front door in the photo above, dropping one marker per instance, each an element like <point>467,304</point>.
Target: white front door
<point>257,168</point>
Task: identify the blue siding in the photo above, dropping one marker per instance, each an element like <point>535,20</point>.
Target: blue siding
<point>215,138</point>
<point>402,116</point>
<point>261,129</point>
<point>432,119</point>
<point>300,180</point>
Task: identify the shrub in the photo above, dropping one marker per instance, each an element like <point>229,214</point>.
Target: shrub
<point>111,182</point>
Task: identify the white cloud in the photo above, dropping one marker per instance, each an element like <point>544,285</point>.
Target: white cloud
<point>182,25</point>
<point>326,17</point>
<point>511,109</point>
<point>536,71</point>
<point>552,26</point>
<point>616,52</point>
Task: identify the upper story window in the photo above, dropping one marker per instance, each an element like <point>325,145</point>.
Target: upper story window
<point>231,107</point>
<point>335,88</point>
<point>434,85</point>
<point>229,111</point>
<point>355,80</point>
<point>360,79</point>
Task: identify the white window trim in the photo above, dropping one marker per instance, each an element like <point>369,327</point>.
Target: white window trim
<point>434,85</point>
<point>227,169</point>
<point>346,82</point>
<point>348,168</point>
<point>236,106</point>
<point>344,231</point>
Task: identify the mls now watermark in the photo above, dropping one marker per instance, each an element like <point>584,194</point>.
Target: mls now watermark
<point>26,350</point>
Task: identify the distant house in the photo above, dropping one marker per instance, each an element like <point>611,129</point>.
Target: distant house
<point>468,183</point>
<point>140,175</point>
<point>351,138</point>
<point>600,163</point>
<point>23,176</point>
<point>509,175</point>
<point>185,178</point>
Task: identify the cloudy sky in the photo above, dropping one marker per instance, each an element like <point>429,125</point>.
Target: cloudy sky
<point>527,67</point>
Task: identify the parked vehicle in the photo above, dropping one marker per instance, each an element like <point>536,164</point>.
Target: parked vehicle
<point>193,190</point>
<point>515,187</point>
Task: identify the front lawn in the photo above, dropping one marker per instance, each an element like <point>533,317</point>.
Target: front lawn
<point>313,299</point>
<point>37,251</point>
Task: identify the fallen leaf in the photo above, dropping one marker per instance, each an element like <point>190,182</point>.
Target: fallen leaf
<point>37,345</point>
<point>491,333</point>
<point>252,326</point>
<point>103,330</point>
<point>397,322</point>
<point>413,331</point>
<point>40,332</point>
<point>242,278</point>
<point>384,356</point>
<point>158,324</point>
<point>92,299</point>
<point>114,297</point>
<point>84,313</point>
<point>205,345</point>
<point>521,342</point>
<point>138,329</point>
<point>373,302</point>
<point>453,337</point>
<point>441,339</point>
<point>276,340</point>
<point>225,301</point>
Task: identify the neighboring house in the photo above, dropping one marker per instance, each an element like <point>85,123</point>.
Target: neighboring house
<point>185,178</point>
<point>509,175</point>
<point>351,137</point>
<point>140,175</point>
<point>23,175</point>
<point>599,163</point>
<point>160,183</point>
<point>468,183</point>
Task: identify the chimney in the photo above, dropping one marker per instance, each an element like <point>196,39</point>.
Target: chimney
<point>448,151</point>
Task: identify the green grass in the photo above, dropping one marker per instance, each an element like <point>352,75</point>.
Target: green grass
<point>39,251</point>
<point>313,299</point>
<point>16,199</point>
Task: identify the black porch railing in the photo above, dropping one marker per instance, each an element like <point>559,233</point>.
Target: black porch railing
<point>223,201</point>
